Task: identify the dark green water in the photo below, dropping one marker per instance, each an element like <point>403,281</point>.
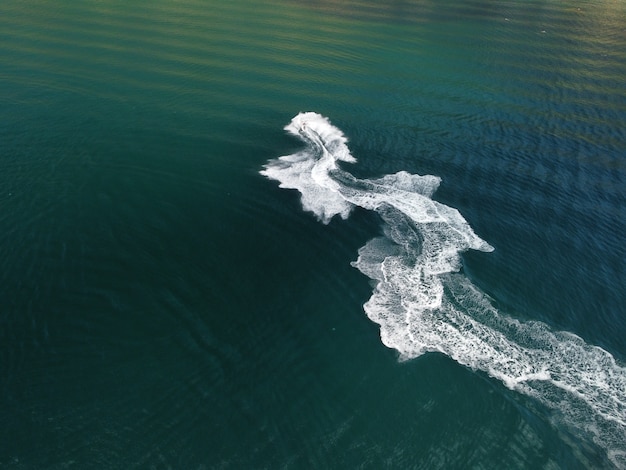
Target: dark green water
<point>163,305</point>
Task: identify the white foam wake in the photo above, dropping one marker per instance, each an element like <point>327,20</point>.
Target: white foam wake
<point>423,304</point>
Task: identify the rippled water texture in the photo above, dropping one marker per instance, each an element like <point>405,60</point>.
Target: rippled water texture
<point>162,304</point>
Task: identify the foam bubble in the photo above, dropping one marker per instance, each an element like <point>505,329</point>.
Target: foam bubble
<point>423,304</point>
<point>309,170</point>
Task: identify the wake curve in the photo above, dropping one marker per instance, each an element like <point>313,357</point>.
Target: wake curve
<point>423,304</point>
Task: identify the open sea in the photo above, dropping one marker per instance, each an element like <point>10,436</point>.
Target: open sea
<point>312,234</point>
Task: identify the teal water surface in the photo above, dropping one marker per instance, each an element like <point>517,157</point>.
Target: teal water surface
<point>164,305</point>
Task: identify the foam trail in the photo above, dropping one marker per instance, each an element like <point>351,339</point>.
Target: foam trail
<point>423,304</point>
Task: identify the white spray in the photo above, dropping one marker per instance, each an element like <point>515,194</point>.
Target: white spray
<point>423,304</point>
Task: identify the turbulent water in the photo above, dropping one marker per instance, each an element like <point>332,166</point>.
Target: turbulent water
<point>423,304</point>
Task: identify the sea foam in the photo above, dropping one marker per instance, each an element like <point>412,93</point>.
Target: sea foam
<point>423,304</point>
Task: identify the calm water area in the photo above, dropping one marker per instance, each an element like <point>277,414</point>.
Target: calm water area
<point>163,304</point>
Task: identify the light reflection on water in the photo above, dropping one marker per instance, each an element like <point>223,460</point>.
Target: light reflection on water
<point>162,301</point>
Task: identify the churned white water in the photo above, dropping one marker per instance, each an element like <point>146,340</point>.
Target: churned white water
<point>423,304</point>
